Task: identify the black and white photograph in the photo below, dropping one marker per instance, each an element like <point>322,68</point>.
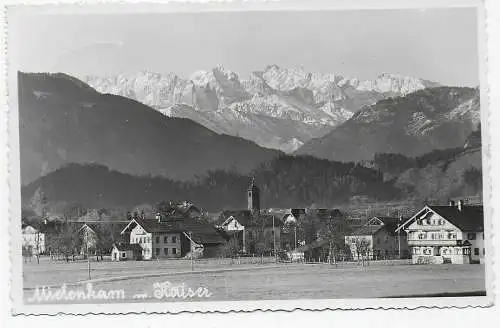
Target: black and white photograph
<point>192,156</point>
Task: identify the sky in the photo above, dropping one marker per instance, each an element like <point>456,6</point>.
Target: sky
<point>434,44</point>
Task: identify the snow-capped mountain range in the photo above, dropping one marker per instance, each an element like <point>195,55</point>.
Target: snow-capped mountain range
<point>276,108</point>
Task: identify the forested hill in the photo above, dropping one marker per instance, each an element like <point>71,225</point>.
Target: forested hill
<point>286,181</point>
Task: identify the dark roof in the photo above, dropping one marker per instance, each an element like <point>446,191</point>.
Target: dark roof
<point>390,224</point>
<point>129,247</point>
<point>367,230</point>
<point>245,218</point>
<point>470,218</point>
<point>325,213</point>
<point>203,233</point>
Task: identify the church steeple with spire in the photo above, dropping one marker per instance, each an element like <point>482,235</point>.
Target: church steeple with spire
<point>253,198</point>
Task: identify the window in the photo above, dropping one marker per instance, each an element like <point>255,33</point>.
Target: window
<point>174,240</point>
<point>165,240</point>
<point>174,250</point>
<point>471,236</point>
<point>386,239</point>
<point>476,251</point>
<point>483,251</point>
<point>157,250</point>
<point>165,251</point>
<point>158,240</point>
<point>123,254</point>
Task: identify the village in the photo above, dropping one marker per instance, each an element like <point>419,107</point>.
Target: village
<point>434,234</point>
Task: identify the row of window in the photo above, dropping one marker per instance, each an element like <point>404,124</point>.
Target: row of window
<point>141,240</point>
<point>165,239</point>
<point>429,221</point>
<point>446,251</point>
<point>433,235</point>
<point>173,251</point>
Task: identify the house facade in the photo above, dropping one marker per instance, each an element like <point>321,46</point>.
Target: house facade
<point>377,240</point>
<point>33,241</point>
<point>156,240</point>
<point>446,234</point>
<point>173,237</point>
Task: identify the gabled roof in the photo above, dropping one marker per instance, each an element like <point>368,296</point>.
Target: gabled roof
<point>201,232</point>
<point>244,217</point>
<point>28,230</point>
<point>469,218</point>
<point>129,247</point>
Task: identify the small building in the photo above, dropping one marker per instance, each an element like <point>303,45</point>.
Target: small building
<point>378,239</point>
<point>446,234</point>
<point>124,252</point>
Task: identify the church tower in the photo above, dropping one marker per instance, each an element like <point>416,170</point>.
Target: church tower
<point>253,198</point>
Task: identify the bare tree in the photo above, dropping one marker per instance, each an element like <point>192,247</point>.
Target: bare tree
<point>38,241</point>
<point>362,245</point>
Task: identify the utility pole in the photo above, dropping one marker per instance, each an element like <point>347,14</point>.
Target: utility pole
<point>192,252</point>
<point>274,244</point>
<point>87,250</point>
<point>295,236</point>
<point>399,238</point>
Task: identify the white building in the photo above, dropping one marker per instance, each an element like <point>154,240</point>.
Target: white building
<point>33,241</point>
<point>446,234</point>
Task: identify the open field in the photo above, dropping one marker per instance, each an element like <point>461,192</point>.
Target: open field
<point>263,281</point>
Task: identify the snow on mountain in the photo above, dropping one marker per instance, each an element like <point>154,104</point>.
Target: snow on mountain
<point>220,100</point>
<point>418,123</point>
<point>393,84</point>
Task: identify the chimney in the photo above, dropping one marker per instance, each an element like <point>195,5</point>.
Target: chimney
<point>158,217</point>
<point>452,203</point>
<point>460,204</point>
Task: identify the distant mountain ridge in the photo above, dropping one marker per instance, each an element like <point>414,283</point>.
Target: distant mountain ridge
<point>428,119</point>
<point>63,120</point>
<point>276,108</point>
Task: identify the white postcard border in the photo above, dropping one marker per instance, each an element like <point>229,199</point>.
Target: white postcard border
<point>245,306</point>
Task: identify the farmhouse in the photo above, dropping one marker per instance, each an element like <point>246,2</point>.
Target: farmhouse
<point>173,237</point>
<point>378,239</point>
<point>446,234</point>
